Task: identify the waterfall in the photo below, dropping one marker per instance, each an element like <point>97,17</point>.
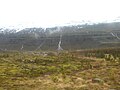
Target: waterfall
<point>40,46</point>
<point>115,35</point>
<point>59,44</point>
<point>22,47</point>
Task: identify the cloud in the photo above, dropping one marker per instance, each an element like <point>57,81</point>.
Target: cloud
<point>50,12</point>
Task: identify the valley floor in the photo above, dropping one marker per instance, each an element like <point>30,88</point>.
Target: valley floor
<point>77,70</point>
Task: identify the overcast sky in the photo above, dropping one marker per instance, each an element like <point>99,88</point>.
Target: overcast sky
<point>30,13</point>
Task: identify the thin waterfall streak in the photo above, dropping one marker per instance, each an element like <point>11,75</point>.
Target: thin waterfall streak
<point>59,44</point>
<point>22,47</point>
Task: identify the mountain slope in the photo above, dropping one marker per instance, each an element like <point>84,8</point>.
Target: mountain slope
<point>73,37</point>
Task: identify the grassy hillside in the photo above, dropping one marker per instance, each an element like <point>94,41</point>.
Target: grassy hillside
<point>97,69</point>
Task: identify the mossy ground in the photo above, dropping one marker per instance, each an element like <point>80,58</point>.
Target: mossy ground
<point>64,71</point>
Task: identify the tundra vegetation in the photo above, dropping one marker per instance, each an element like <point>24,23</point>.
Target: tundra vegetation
<point>97,69</point>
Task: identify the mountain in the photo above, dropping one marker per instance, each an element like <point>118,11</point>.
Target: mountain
<point>73,37</point>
